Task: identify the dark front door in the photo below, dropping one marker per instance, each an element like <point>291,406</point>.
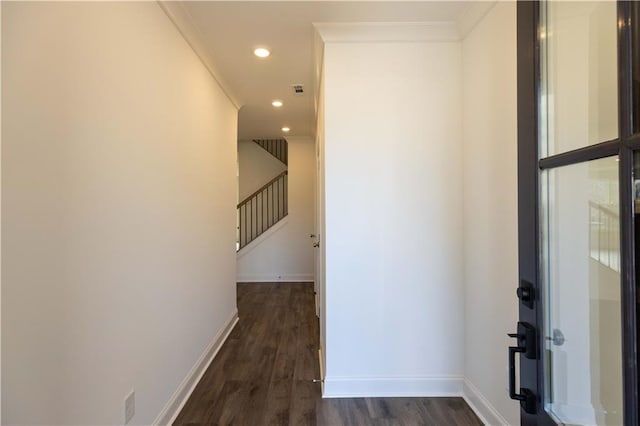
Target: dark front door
<point>576,341</point>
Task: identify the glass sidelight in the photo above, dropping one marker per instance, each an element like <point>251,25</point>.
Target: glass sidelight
<point>580,248</point>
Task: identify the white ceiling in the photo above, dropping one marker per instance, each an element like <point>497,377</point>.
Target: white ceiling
<point>224,34</point>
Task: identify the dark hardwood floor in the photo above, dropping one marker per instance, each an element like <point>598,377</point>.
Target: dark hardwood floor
<point>263,374</point>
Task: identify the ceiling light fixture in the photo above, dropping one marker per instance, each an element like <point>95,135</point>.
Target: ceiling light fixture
<point>285,129</point>
<point>276,103</point>
<point>261,52</point>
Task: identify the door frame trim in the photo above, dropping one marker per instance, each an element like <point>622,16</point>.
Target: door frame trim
<point>528,83</point>
<point>627,241</point>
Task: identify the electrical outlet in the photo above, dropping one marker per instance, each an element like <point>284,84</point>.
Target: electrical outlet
<point>129,406</point>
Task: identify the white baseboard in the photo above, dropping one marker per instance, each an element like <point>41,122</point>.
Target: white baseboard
<point>265,278</point>
<point>576,414</point>
<point>171,410</point>
<point>359,387</point>
<point>481,406</point>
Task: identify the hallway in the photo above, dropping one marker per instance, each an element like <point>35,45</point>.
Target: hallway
<point>264,373</point>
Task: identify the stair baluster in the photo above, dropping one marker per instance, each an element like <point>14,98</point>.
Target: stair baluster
<point>262,209</point>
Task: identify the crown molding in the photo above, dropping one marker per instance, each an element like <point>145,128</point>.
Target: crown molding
<point>183,22</point>
<point>363,32</point>
<point>471,15</point>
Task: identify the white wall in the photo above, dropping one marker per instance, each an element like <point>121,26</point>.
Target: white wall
<point>256,167</point>
<point>490,209</point>
<point>287,254</point>
<point>118,212</point>
<point>393,237</point>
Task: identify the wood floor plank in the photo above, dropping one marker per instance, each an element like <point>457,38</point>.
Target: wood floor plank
<point>264,372</point>
<point>303,405</point>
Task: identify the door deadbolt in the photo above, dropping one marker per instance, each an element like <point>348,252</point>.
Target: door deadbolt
<point>526,293</point>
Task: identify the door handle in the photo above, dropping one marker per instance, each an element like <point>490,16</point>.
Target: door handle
<point>558,337</point>
<point>316,244</point>
<point>526,336</point>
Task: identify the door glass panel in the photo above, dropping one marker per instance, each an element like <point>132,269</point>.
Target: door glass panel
<point>581,282</point>
<point>579,93</point>
<point>635,63</point>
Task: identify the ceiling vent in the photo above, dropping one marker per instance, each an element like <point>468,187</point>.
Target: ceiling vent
<point>298,89</point>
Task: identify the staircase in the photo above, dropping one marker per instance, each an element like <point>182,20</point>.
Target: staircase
<point>269,204</point>
<point>276,147</point>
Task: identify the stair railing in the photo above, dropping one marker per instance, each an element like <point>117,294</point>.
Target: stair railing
<point>262,209</point>
<point>276,147</point>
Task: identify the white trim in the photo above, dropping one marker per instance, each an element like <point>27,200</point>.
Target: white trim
<point>182,20</point>
<point>262,237</point>
<point>364,387</point>
<point>471,15</point>
<point>579,414</point>
<point>481,406</point>
<point>171,410</point>
<point>344,32</point>
<point>318,69</point>
<point>261,278</point>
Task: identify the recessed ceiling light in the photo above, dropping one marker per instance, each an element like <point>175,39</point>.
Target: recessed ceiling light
<point>261,52</point>
<point>276,103</point>
<point>285,129</point>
